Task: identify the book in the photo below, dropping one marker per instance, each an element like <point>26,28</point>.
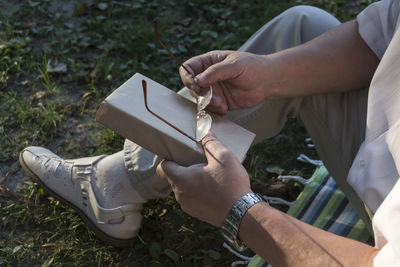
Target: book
<point>124,112</point>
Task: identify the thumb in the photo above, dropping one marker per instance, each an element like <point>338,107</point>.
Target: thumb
<point>213,148</point>
<point>220,71</point>
<point>170,171</point>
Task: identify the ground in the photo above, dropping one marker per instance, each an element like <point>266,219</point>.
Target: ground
<point>59,60</point>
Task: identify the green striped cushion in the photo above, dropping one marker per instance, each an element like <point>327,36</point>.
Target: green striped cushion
<point>324,205</point>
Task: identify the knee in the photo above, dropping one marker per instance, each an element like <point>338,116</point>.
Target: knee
<point>302,9</point>
<point>305,11</point>
<point>313,21</point>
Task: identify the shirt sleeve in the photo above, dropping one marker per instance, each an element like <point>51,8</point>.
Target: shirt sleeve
<point>377,24</point>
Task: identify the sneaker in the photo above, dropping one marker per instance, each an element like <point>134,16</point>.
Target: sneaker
<point>69,181</point>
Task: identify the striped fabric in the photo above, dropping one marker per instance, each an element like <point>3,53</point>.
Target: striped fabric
<point>325,206</point>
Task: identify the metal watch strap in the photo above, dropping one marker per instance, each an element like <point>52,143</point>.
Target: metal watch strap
<point>230,226</point>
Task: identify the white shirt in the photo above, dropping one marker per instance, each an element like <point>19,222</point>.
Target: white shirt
<point>375,170</point>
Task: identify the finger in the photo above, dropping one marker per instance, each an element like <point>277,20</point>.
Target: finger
<point>187,78</point>
<point>194,94</point>
<point>171,171</point>
<point>213,148</point>
<point>218,105</point>
<point>199,64</point>
<point>222,71</point>
<point>195,65</point>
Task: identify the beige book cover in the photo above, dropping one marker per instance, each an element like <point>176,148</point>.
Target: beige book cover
<point>124,112</point>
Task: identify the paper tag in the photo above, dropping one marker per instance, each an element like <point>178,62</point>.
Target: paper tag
<point>204,120</point>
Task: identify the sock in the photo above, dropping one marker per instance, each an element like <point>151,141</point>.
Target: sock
<point>111,183</point>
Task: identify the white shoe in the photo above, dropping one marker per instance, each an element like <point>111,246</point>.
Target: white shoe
<point>70,182</point>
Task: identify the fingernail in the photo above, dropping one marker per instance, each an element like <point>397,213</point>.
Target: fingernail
<point>194,87</point>
<point>205,138</point>
<point>199,78</point>
<point>210,134</point>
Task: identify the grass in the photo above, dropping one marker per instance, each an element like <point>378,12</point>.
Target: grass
<point>102,44</point>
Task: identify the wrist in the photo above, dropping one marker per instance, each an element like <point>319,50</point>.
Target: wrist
<point>259,214</point>
<point>228,203</point>
<point>230,226</point>
<point>270,77</point>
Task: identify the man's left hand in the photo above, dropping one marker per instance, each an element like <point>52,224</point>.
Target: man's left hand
<point>208,191</point>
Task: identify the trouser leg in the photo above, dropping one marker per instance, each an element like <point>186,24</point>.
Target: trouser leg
<point>336,124</point>
<point>326,117</point>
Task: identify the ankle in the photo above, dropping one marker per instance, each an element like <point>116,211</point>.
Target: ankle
<point>111,183</point>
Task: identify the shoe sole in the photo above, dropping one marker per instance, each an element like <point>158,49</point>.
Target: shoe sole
<point>116,242</point>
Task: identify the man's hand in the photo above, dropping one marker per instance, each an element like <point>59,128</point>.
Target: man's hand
<point>336,61</point>
<point>208,191</point>
<point>236,78</point>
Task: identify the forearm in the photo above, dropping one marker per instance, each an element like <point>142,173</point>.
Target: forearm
<point>338,60</point>
<point>285,241</point>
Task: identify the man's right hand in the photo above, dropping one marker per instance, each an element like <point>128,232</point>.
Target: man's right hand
<point>237,79</point>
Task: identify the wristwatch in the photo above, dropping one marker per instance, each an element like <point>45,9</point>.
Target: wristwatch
<point>230,227</point>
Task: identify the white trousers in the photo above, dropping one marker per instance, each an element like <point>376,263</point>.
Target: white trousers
<point>335,122</point>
